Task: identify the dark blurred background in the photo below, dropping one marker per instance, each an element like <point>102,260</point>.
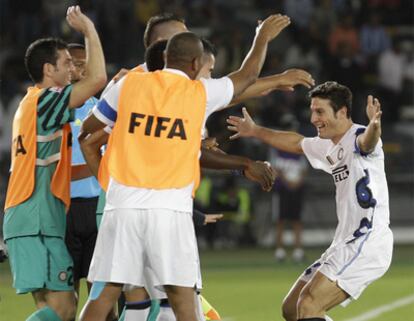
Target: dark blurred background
<point>366,45</point>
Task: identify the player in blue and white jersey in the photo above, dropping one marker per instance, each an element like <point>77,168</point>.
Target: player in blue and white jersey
<point>361,251</point>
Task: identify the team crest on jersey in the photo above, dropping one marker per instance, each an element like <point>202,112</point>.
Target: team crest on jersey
<point>340,173</point>
<point>63,276</point>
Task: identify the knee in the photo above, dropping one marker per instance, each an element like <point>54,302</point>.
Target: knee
<point>289,309</point>
<point>308,305</point>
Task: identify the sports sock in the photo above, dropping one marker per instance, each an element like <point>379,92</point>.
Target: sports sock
<point>166,312</point>
<point>45,314</point>
<point>327,318</point>
<point>136,311</point>
<point>312,319</point>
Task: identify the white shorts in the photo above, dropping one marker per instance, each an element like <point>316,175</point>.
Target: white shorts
<point>355,265</point>
<point>146,246</point>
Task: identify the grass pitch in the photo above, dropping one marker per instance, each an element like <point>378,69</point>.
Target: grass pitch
<point>248,285</point>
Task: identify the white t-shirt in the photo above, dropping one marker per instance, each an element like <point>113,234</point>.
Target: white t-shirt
<point>361,185</point>
<point>219,93</point>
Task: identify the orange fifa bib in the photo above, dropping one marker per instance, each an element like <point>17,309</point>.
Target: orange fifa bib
<point>24,151</point>
<point>156,139</point>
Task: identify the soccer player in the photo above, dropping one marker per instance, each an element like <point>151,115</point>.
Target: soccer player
<point>171,112</point>
<point>362,247</point>
<point>39,190</point>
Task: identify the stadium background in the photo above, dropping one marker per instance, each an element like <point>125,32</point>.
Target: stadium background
<point>366,45</point>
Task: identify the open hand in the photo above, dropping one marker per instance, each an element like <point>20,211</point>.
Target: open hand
<point>77,20</point>
<point>262,173</point>
<point>374,110</point>
<point>244,127</point>
<point>293,77</point>
<point>272,26</point>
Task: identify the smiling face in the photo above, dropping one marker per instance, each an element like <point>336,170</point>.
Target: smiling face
<point>60,73</point>
<point>329,124</point>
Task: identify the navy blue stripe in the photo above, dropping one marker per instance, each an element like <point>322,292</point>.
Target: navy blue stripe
<point>355,256</point>
<point>107,110</point>
<point>358,150</point>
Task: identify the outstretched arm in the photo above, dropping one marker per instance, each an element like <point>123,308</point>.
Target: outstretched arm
<point>369,139</point>
<point>284,81</point>
<point>282,140</point>
<point>255,171</point>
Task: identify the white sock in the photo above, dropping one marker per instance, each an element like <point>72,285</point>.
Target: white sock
<point>166,314</point>
<point>136,311</point>
<point>328,318</point>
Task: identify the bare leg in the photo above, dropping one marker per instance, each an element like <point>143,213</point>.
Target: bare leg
<point>182,301</point>
<point>290,301</point>
<point>297,230</point>
<point>62,302</point>
<point>280,225</point>
<point>98,310</point>
<point>318,296</point>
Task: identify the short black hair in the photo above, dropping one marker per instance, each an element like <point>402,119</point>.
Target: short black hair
<point>154,55</point>
<point>76,46</point>
<point>338,95</point>
<point>209,47</point>
<point>40,52</point>
<point>156,20</point>
<point>183,48</point>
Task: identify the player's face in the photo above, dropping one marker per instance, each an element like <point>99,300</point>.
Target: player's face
<point>327,122</point>
<point>165,30</point>
<point>61,74</point>
<point>79,63</point>
<point>208,66</point>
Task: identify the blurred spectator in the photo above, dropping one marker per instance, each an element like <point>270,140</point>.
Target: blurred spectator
<point>344,32</point>
<point>391,65</point>
<point>374,38</point>
<point>234,202</point>
<point>303,55</point>
<point>300,12</point>
<point>288,199</point>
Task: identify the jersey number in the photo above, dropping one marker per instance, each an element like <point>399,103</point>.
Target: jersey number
<point>364,193</point>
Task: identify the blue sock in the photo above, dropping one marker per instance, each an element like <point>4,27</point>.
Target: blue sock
<point>45,314</point>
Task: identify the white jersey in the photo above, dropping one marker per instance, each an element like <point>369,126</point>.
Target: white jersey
<point>219,93</point>
<point>361,185</point>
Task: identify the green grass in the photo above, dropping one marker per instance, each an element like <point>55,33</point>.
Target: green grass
<point>247,285</point>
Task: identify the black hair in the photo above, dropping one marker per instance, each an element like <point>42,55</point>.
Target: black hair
<point>209,47</point>
<point>183,48</point>
<point>154,55</point>
<point>338,95</point>
<point>40,52</point>
<point>156,20</point>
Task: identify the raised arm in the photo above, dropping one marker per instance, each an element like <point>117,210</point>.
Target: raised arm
<point>284,81</point>
<point>253,63</point>
<point>282,140</point>
<point>369,139</point>
<point>96,77</point>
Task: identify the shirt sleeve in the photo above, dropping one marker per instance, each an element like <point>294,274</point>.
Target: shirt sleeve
<point>377,150</point>
<point>53,107</point>
<point>219,93</point>
<point>315,153</point>
<point>106,110</point>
